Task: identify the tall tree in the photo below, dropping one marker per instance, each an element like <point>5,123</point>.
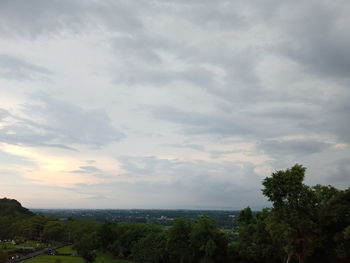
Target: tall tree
<point>292,213</point>
<point>208,243</point>
<point>179,241</point>
<point>254,242</point>
<point>151,248</point>
<point>86,247</point>
<point>245,216</point>
<point>54,231</point>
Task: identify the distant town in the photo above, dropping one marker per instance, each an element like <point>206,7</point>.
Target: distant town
<point>224,218</point>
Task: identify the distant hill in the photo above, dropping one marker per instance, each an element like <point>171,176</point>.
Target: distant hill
<point>11,207</point>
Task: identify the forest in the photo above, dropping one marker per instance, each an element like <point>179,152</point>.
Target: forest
<point>304,224</point>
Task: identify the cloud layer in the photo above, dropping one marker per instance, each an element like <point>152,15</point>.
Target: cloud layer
<point>179,104</point>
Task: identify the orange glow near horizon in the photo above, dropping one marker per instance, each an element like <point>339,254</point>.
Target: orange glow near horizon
<point>55,169</point>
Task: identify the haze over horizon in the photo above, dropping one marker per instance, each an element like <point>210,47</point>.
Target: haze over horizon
<point>170,104</point>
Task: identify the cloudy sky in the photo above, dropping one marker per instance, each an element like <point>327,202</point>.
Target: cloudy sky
<point>170,104</point>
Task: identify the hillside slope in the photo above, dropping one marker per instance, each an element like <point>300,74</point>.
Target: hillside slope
<point>11,207</point>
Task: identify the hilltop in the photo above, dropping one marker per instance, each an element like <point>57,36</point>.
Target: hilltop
<point>11,207</point>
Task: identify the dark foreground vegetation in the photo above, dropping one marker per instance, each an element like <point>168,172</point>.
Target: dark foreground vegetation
<point>304,224</point>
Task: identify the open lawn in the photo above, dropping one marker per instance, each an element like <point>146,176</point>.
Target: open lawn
<point>101,258</point>
<point>105,258</point>
<point>66,250</point>
<point>52,259</point>
<point>71,259</point>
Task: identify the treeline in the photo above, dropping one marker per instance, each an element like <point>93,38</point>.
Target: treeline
<point>185,241</point>
<point>32,227</point>
<point>305,224</point>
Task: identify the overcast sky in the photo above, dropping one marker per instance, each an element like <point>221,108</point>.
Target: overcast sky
<point>170,104</point>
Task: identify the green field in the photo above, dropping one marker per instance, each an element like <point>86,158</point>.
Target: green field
<point>108,259</point>
<point>52,259</point>
<point>66,250</point>
<point>71,259</point>
<point>101,258</point>
<point>10,247</point>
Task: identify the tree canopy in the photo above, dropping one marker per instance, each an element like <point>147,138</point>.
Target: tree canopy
<point>304,224</point>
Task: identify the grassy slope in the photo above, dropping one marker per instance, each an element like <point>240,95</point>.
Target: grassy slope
<point>66,250</point>
<point>101,258</point>
<point>52,259</point>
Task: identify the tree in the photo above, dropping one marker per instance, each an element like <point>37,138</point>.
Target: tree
<point>54,231</point>
<point>208,243</point>
<point>33,227</point>
<point>11,207</point>
<point>347,233</point>
<point>151,248</point>
<point>292,213</point>
<point>77,228</point>
<point>245,216</point>
<point>178,245</point>
<point>254,243</point>
<point>106,236</point>
<point>3,256</point>
<point>5,229</point>
<point>129,235</point>
<point>86,247</point>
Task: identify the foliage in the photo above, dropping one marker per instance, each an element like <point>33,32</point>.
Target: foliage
<point>207,241</point>
<point>151,248</point>
<point>245,217</point>
<point>54,231</point>
<point>86,247</point>
<point>178,242</point>
<point>3,256</point>
<point>13,208</point>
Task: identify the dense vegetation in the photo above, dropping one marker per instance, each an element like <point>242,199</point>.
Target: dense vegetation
<point>304,224</point>
<point>12,208</point>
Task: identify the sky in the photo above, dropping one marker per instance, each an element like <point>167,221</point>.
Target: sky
<point>170,104</point>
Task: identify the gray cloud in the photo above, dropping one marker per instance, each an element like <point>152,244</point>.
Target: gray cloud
<point>219,123</point>
<point>87,170</point>
<point>185,145</point>
<point>12,67</point>
<point>218,154</point>
<point>182,184</point>
<point>3,114</point>
<point>223,15</point>
<point>56,123</point>
<point>261,73</point>
<point>315,26</point>
<point>312,34</point>
<point>340,173</point>
<point>93,171</point>
<point>10,159</point>
<point>160,76</point>
<point>299,147</point>
<point>97,197</point>
<point>263,121</point>
<point>39,17</point>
